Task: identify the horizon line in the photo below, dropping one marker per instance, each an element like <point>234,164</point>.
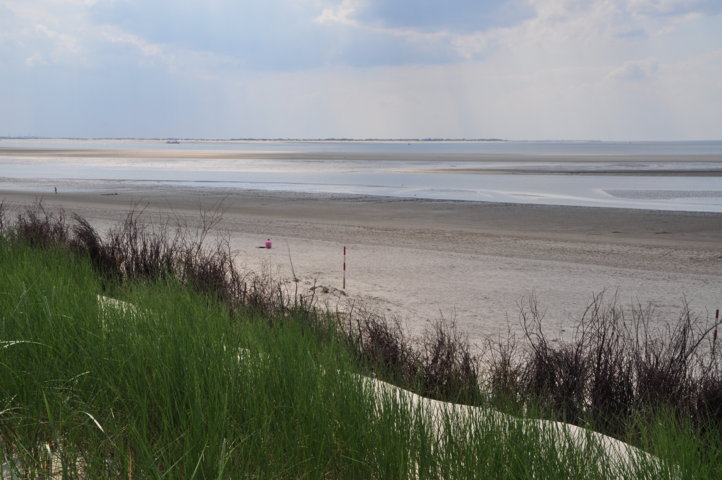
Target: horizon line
<point>347,139</point>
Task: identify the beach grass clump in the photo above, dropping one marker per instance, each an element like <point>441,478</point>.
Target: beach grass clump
<point>620,364</point>
<point>36,226</point>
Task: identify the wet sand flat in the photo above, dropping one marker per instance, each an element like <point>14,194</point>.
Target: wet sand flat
<point>369,157</point>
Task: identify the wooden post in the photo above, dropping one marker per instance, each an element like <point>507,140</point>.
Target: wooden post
<point>344,268</point>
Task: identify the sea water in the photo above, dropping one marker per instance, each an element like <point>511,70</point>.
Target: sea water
<point>648,175</point>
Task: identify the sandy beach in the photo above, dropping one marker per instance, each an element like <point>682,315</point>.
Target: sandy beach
<point>420,260</point>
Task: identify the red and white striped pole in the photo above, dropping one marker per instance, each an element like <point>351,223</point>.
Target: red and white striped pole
<point>344,268</point>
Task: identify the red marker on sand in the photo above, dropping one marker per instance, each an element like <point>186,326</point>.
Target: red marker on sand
<point>268,243</point>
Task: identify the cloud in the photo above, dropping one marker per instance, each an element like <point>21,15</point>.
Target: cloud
<point>360,68</point>
<point>340,13</point>
<point>636,71</point>
<point>674,8</point>
<point>460,16</point>
<point>278,35</point>
<point>267,34</point>
<point>116,36</point>
<point>35,60</point>
<point>62,40</point>
<point>34,34</point>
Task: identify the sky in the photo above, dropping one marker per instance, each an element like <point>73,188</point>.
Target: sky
<point>519,69</point>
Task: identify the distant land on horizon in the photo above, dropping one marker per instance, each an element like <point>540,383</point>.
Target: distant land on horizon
<point>347,139</point>
<point>274,139</point>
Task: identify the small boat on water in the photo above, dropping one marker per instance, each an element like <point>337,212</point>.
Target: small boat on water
<point>173,142</point>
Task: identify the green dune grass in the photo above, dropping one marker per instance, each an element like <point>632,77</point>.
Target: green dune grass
<point>180,386</point>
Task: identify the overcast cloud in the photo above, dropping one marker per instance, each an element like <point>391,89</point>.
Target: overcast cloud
<point>519,69</point>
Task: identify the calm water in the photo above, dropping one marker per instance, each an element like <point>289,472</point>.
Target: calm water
<point>556,173</point>
<point>480,147</point>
